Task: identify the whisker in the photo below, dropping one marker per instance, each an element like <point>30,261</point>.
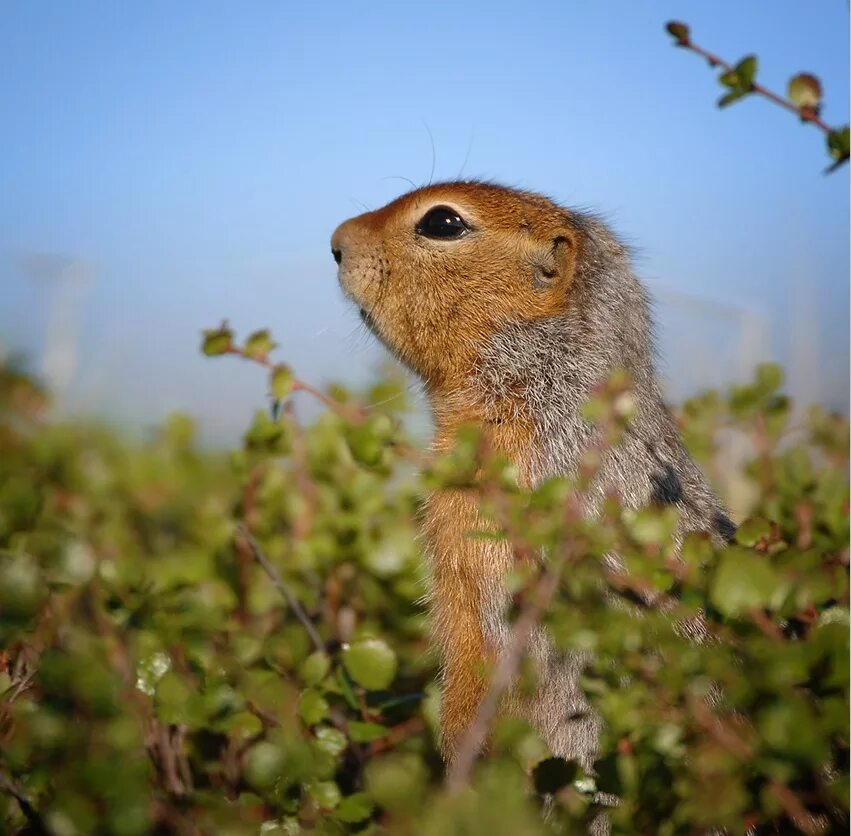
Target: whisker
<point>408,180</point>
<point>360,203</point>
<point>467,154</point>
<point>433,154</point>
<point>384,401</point>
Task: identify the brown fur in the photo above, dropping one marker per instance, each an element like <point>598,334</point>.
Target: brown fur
<point>510,328</point>
<point>437,333</point>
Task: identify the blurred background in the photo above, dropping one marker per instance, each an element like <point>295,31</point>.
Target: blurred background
<point>166,166</point>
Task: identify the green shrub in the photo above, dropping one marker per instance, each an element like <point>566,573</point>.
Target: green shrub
<point>236,643</point>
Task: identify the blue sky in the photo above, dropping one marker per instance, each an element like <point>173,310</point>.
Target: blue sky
<point>198,156</point>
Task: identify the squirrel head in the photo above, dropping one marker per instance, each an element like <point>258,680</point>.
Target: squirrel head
<point>439,271</point>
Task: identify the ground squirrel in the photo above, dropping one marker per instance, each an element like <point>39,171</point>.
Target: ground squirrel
<point>512,309</point>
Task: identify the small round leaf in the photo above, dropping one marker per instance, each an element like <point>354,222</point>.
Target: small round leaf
<point>371,663</point>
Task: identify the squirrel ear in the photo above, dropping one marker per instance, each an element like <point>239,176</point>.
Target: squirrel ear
<point>554,264</point>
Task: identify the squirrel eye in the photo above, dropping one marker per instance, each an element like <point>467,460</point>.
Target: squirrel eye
<point>442,222</point>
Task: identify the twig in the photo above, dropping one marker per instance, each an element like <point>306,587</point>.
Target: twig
<point>264,716</point>
<point>279,584</point>
<point>27,809</point>
<point>806,114</point>
<point>20,686</point>
<point>801,817</point>
<point>352,414</point>
<point>348,412</point>
<point>396,735</point>
<point>303,521</point>
<point>183,767</point>
<point>765,625</point>
<point>166,746</point>
<point>711,723</point>
<point>730,740</point>
<point>243,549</point>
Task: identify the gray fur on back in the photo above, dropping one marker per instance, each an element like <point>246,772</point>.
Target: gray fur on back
<point>554,365</point>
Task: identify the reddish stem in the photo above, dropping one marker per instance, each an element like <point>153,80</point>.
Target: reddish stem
<point>352,414</point>
<point>806,114</point>
<point>348,412</point>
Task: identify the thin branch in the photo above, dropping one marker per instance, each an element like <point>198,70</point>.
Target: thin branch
<point>397,734</point>
<point>352,414</point>
<point>711,723</point>
<point>20,686</point>
<point>800,816</point>
<point>31,814</point>
<point>731,740</point>
<point>806,114</point>
<point>166,744</point>
<point>244,553</point>
<point>766,626</point>
<point>303,523</point>
<point>348,412</point>
<point>279,584</point>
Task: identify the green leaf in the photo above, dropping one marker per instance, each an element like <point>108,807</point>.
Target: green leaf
<point>397,781</point>
<point>381,426</point>
<point>751,531</point>
<point>281,380</point>
<point>174,698</point>
<point>365,448</point>
<point>696,551</point>
<point>22,588</point>
<point>366,732</point>
<point>790,728</point>
<point>267,435</point>
<point>652,525</point>
<point>743,581</point>
<point>312,707</point>
<point>325,793</point>
<point>729,98</point>
<point>354,808</point>
<point>746,71</point>
<point>838,144</point>
<point>217,340</point>
<point>331,740</point>
<point>259,344</point>
<point>368,439</point>
<point>730,78</point>
<point>371,663</point>
<point>315,668</point>
<point>263,765</point>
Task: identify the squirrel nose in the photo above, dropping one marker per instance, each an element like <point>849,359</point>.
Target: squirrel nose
<point>345,238</point>
<point>337,243</point>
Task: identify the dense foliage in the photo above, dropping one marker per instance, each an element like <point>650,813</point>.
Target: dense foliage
<point>200,642</point>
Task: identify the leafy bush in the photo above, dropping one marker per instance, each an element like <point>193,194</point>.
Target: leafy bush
<point>200,642</point>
